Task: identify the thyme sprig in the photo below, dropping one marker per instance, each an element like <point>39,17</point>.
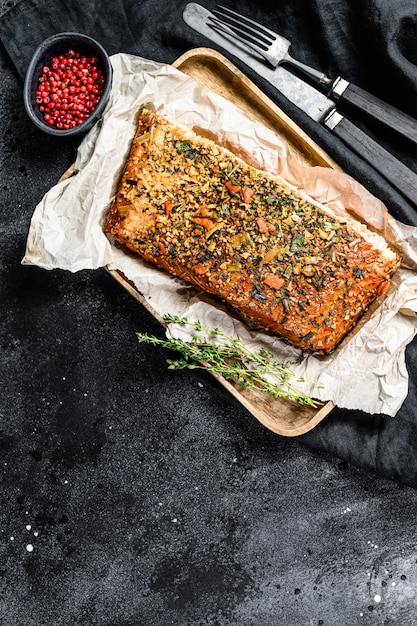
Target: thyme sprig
<point>232,359</point>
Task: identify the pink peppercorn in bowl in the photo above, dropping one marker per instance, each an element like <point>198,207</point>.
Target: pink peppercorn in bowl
<point>67,84</point>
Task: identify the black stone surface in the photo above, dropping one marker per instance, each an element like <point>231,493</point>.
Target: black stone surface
<point>136,496</point>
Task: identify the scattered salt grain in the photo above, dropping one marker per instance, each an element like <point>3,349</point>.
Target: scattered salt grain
<point>377,598</point>
<point>29,547</point>
<point>28,527</point>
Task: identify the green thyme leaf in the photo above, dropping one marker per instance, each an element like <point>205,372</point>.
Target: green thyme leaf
<point>232,359</point>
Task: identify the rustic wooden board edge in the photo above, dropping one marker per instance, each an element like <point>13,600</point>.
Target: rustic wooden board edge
<point>216,72</point>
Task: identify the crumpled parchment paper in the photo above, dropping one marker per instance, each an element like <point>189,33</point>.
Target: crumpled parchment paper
<point>367,372</point>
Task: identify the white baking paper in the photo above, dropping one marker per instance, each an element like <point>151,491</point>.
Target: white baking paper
<point>367,372</point>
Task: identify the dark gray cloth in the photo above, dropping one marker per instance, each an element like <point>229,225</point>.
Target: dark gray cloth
<point>369,42</point>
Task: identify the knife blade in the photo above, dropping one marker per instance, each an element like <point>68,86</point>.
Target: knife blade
<point>316,105</point>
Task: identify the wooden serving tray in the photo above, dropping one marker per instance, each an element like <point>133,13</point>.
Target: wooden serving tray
<point>212,69</point>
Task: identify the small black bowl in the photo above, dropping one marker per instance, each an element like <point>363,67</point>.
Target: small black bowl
<point>58,44</point>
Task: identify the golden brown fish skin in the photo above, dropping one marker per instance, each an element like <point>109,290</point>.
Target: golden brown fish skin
<point>201,213</point>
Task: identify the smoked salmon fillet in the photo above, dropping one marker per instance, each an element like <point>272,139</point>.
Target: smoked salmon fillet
<point>278,258</point>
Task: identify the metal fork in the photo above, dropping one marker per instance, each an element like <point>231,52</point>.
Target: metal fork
<point>273,48</point>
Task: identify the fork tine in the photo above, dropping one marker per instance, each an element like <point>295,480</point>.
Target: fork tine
<point>234,31</point>
<point>241,20</point>
<point>221,27</point>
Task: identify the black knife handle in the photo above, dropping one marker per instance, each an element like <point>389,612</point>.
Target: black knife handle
<point>394,171</point>
<point>375,108</point>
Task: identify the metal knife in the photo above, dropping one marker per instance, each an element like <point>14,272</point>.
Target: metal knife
<point>315,104</point>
